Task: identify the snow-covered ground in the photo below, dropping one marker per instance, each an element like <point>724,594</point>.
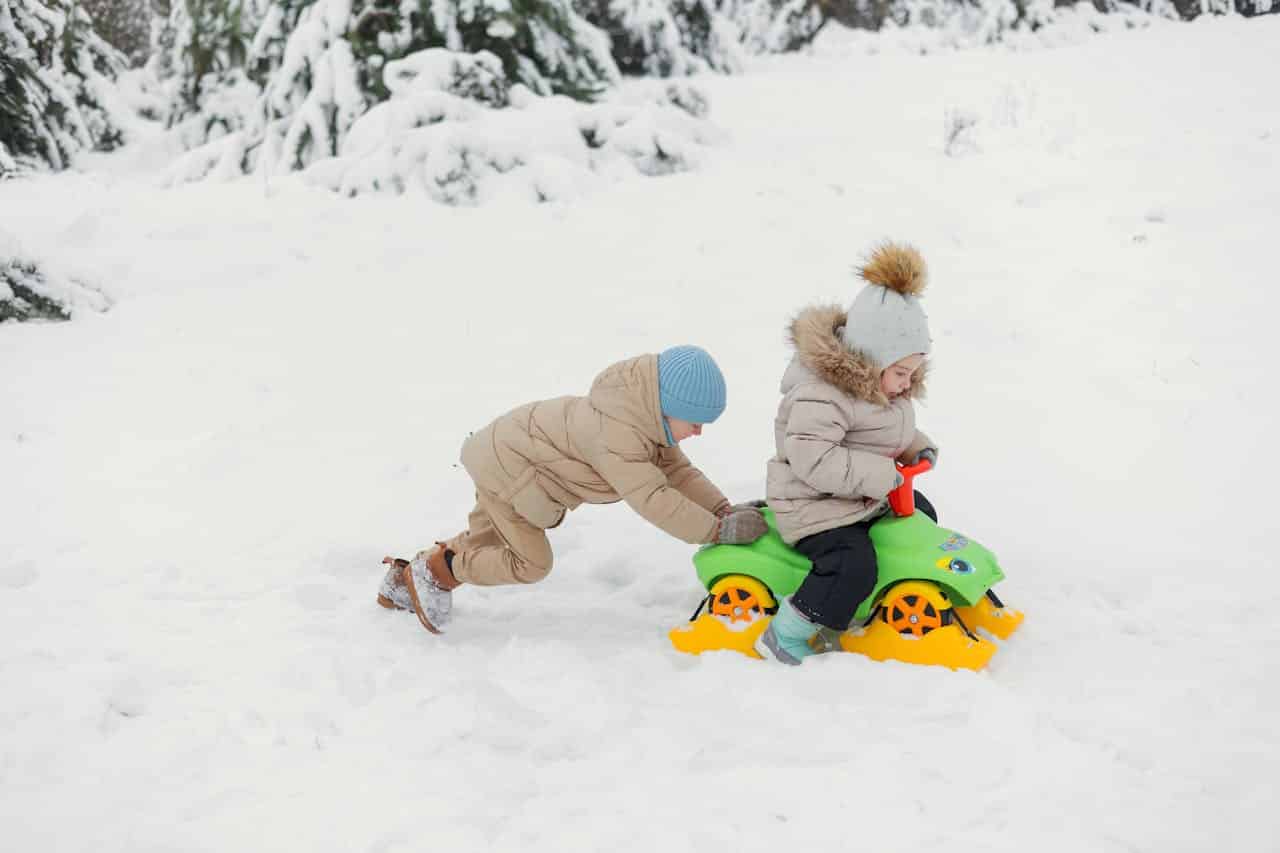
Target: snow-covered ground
<point>197,485</point>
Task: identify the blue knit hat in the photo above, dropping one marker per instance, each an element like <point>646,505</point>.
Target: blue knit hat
<point>690,385</point>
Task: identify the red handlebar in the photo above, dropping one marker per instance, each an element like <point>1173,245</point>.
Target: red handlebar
<point>902,500</point>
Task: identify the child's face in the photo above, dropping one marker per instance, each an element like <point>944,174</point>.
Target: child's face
<point>680,430</point>
<point>896,378</point>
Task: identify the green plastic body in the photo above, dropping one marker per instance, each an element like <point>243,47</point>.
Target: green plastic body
<point>909,548</point>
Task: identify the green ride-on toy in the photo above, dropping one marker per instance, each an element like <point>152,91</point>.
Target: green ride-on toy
<point>932,594</point>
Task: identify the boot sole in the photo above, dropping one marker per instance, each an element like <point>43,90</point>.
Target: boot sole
<point>406,573</point>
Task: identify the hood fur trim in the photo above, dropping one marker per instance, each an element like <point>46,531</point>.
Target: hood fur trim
<point>896,266</point>
<point>816,334</point>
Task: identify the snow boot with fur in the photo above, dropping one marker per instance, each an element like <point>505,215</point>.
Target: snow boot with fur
<point>393,594</point>
<point>430,584</point>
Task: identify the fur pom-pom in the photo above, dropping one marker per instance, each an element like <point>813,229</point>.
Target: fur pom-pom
<point>896,266</point>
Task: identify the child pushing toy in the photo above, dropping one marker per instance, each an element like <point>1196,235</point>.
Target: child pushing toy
<point>845,418</point>
<point>537,462</point>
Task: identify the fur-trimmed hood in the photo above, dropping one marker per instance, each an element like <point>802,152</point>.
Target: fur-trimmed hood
<point>817,335</point>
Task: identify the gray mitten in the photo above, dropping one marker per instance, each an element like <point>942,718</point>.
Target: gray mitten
<point>930,454</point>
<point>741,526</point>
<point>748,505</point>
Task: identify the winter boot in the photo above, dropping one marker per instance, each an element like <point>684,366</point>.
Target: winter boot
<point>393,594</point>
<point>786,638</point>
<point>430,585</point>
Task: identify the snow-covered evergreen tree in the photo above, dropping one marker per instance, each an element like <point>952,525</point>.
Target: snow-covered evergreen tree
<point>55,84</point>
<point>544,44</point>
<point>200,52</point>
<point>667,38</point>
<point>858,14</point>
<point>320,64</point>
<point>777,26</point>
<point>499,142</point>
<point>315,94</point>
<point>974,22</point>
<point>1192,9</point>
<point>123,24</point>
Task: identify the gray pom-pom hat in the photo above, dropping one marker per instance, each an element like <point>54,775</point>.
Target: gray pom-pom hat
<point>886,321</point>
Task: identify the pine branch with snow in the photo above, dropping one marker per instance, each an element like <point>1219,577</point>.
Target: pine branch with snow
<point>777,26</point>
<point>667,38</point>
<point>544,44</point>
<point>56,84</point>
<point>123,24</point>
<point>31,290</point>
<point>200,55</point>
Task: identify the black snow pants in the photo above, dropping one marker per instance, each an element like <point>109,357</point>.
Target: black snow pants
<point>844,570</point>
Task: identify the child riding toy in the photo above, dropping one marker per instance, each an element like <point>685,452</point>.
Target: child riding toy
<point>932,595</point>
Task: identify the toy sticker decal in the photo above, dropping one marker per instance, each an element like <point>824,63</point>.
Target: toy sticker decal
<point>955,565</point>
<point>954,542</point>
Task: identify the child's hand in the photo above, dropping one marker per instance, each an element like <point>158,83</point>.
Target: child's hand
<point>748,505</point>
<point>930,454</point>
<point>741,527</point>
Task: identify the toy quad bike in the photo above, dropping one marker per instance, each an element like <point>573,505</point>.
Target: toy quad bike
<point>932,593</point>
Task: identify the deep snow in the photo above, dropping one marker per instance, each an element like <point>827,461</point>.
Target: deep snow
<point>198,484</point>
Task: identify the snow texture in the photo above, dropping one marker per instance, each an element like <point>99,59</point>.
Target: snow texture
<point>198,485</point>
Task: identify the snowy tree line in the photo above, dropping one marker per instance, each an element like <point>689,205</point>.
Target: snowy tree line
<point>293,76</point>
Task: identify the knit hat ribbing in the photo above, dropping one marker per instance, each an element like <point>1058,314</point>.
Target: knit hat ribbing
<point>690,385</point>
<point>886,321</point>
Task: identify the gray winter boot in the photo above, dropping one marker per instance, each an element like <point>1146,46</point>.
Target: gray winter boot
<point>393,594</point>
<point>430,587</point>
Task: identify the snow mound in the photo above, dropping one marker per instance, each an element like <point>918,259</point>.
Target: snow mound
<point>457,130</point>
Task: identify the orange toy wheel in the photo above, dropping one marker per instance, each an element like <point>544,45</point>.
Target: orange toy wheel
<point>913,611</point>
<point>739,599</point>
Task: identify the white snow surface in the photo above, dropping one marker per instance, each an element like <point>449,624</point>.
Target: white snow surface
<point>197,485</point>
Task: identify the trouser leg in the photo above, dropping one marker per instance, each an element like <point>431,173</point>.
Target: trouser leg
<point>499,546</point>
<point>843,574</point>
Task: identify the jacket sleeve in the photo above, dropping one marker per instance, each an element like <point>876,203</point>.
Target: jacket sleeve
<point>814,434</point>
<point>685,478</point>
<point>919,443</point>
<point>625,464</point>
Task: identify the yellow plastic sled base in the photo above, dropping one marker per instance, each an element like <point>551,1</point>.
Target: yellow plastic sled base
<point>1000,621</point>
<point>709,634</point>
<point>736,615</point>
<point>911,626</point>
<point>948,646</point>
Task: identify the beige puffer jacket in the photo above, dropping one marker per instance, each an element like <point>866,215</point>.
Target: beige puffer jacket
<point>836,433</point>
<point>548,457</point>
